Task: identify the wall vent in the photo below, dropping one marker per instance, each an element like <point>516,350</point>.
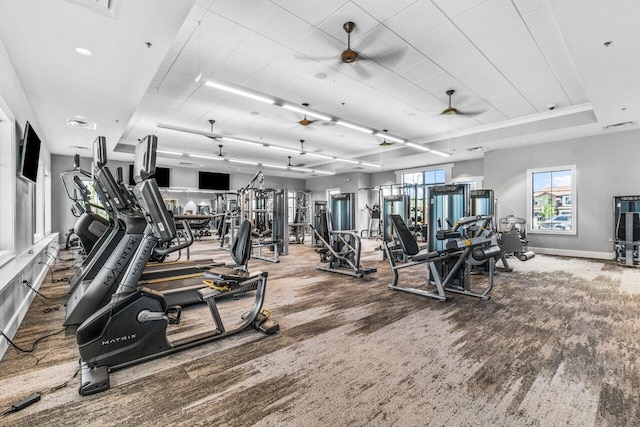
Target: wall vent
<point>618,125</point>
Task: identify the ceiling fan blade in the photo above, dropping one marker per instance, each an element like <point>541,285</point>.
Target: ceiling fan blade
<point>361,71</point>
<point>388,59</point>
<point>471,113</point>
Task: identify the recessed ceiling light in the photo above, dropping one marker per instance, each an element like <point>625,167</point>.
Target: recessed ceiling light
<point>83,51</point>
<point>321,76</point>
<point>81,117</point>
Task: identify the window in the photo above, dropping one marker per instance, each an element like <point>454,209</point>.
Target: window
<point>551,200</point>
<point>430,177</point>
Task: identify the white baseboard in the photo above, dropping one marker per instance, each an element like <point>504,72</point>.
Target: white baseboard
<point>572,253</point>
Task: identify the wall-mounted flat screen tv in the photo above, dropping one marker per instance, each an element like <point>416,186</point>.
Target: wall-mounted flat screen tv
<point>162,176</point>
<point>213,181</point>
<point>30,154</point>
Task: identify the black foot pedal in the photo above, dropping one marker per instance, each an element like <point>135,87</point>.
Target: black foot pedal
<point>263,322</point>
<point>265,325</point>
<point>173,313</point>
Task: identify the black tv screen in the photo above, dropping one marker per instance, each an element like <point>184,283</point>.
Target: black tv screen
<point>213,181</point>
<point>162,176</point>
<point>30,154</point>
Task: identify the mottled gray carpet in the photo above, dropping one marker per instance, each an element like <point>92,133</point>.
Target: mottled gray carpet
<point>557,344</point>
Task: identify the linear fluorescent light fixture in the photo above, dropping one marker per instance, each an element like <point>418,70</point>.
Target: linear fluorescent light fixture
<point>244,162</point>
<point>240,92</point>
<point>418,146</point>
<point>241,141</point>
<point>290,150</point>
<point>267,165</point>
<point>323,172</point>
<point>324,156</point>
<point>293,168</point>
<point>389,137</point>
<point>307,112</point>
<point>440,153</point>
<point>373,165</point>
<point>173,153</point>
<point>347,161</point>
<point>355,127</point>
<point>200,156</point>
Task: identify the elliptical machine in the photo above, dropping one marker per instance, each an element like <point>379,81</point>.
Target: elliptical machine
<point>132,327</point>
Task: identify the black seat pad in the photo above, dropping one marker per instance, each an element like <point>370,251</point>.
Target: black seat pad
<point>407,241</point>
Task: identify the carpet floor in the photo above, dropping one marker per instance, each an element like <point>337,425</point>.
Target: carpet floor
<point>557,344</point>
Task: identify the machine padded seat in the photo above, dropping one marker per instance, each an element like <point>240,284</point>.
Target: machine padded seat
<point>406,239</point>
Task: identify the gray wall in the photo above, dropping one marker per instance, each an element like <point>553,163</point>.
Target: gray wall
<point>63,220</point>
<point>347,183</point>
<point>607,166</point>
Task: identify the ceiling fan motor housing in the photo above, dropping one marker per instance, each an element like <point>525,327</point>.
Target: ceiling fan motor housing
<point>349,56</point>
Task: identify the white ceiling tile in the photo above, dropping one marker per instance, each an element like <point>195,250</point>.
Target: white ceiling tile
<point>285,28</point>
<point>502,36</point>
<point>383,10</point>
<point>239,61</point>
<point>485,17</point>
<point>457,7</point>
<point>377,42</point>
<point>401,58</point>
<point>275,76</point>
<point>438,39</point>
<point>550,40</point>
<point>561,62</point>
<point>490,115</point>
<point>526,6</point>
<point>216,28</point>
<point>473,70</point>
<point>420,70</point>
<point>195,15</point>
<point>514,53</point>
<point>260,48</point>
<point>513,106</point>
<point>207,51</point>
<point>574,89</point>
<point>349,12</point>
<point>490,84</point>
<point>313,12</point>
<point>530,70</point>
<point>248,15</point>
<point>457,55</point>
<point>544,93</point>
<point>541,20</point>
<point>434,84</point>
<point>320,46</point>
<point>422,11</point>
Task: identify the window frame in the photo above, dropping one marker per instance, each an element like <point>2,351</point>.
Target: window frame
<point>8,179</point>
<point>574,201</point>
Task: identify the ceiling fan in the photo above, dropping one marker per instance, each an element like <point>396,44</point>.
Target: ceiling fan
<point>452,111</point>
<point>306,122</point>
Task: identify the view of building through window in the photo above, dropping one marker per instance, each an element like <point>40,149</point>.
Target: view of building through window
<point>552,197</point>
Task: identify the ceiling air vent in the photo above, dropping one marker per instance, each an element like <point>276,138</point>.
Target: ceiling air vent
<point>104,7</point>
<point>481,148</point>
<point>619,125</point>
<point>82,124</point>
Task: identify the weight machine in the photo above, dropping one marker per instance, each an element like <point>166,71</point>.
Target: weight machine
<point>626,237</point>
<point>340,245</point>
<point>265,208</point>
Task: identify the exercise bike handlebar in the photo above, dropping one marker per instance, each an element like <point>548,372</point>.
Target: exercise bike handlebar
<point>188,241</point>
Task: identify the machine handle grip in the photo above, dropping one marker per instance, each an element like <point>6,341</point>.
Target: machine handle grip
<point>188,241</point>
